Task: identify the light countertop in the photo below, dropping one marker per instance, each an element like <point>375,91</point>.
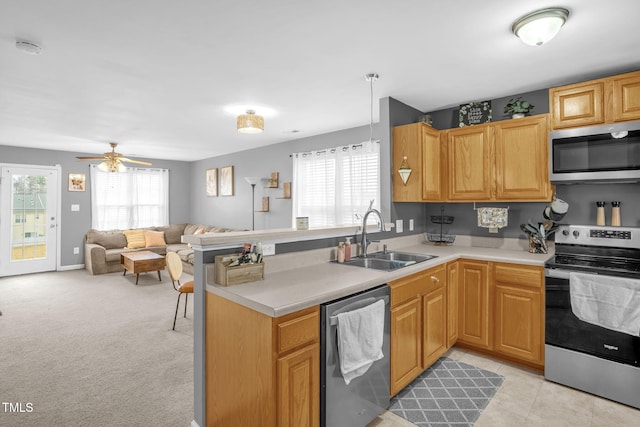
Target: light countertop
<point>300,280</point>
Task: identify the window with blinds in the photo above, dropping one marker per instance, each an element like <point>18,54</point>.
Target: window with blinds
<point>334,187</point>
<point>132,199</point>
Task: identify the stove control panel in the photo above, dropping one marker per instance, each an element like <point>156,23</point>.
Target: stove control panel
<point>591,235</point>
<point>611,234</point>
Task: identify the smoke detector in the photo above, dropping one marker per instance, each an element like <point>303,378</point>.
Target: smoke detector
<point>28,47</point>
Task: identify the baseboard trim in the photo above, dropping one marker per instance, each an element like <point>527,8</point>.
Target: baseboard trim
<point>71,267</point>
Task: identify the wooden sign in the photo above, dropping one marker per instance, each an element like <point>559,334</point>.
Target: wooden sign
<point>475,113</point>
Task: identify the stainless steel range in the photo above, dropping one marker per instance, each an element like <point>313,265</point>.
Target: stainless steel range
<point>592,309</point>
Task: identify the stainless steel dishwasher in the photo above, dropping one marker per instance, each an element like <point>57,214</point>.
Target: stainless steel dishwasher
<point>367,396</point>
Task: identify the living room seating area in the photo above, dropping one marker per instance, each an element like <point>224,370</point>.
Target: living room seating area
<point>102,248</point>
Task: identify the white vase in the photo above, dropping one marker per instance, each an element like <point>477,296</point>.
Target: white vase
<point>517,115</point>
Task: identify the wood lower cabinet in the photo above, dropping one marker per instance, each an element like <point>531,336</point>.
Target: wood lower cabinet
<point>421,145</point>
<point>519,311</point>
<point>418,324</point>
<point>453,274</point>
<point>261,370</point>
<point>501,310</point>
<point>406,347</point>
<point>434,337</point>
<point>298,387</point>
<point>473,304</point>
<point>608,100</point>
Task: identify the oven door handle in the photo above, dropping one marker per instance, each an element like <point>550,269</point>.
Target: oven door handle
<point>558,274</point>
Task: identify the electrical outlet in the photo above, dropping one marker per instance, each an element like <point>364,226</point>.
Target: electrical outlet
<point>268,249</point>
<point>75,208</point>
<point>411,225</point>
<point>76,250</point>
<point>399,226</point>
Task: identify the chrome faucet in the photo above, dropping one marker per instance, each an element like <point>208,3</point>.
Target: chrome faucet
<point>364,242</point>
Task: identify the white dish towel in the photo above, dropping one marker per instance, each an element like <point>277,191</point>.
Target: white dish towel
<point>610,302</point>
<point>360,334</point>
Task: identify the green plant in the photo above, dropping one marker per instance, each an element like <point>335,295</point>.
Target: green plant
<point>518,105</point>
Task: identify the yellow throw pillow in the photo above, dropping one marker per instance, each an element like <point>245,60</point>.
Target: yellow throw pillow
<point>135,239</point>
<point>154,238</point>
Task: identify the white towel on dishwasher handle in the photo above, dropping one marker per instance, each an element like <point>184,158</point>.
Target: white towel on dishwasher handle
<point>607,301</point>
<point>360,336</point>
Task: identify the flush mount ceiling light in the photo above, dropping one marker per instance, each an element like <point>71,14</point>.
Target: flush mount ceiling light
<point>28,47</point>
<point>537,28</point>
<point>250,122</point>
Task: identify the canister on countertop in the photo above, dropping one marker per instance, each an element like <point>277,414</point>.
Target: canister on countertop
<point>347,249</point>
<point>615,214</point>
<point>600,213</point>
<point>341,252</point>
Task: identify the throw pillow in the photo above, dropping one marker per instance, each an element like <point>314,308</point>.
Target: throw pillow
<point>154,238</point>
<point>199,231</point>
<point>135,239</point>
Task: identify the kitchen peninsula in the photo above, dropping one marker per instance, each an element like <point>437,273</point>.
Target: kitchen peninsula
<point>257,347</point>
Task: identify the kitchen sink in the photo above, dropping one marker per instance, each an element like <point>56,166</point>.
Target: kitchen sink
<point>388,261</point>
<point>400,256</point>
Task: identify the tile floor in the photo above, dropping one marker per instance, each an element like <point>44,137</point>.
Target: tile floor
<point>526,399</point>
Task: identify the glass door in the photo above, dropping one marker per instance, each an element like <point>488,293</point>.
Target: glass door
<point>28,220</point>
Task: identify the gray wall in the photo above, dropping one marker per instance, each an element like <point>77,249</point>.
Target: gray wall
<point>74,225</point>
<point>235,211</point>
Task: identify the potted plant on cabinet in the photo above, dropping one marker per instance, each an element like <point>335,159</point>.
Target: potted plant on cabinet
<point>518,107</point>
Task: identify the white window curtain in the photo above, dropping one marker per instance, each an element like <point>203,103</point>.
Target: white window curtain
<point>334,187</point>
<point>131,199</point>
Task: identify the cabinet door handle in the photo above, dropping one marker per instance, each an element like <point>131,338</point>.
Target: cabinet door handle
<point>435,279</point>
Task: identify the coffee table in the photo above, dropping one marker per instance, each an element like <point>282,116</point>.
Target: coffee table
<point>142,262</point>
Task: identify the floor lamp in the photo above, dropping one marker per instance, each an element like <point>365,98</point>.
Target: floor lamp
<point>253,180</point>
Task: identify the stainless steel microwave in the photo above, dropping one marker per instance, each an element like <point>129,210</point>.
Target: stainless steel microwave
<point>605,153</point>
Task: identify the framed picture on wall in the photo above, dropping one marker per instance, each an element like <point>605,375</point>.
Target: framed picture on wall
<point>212,182</point>
<point>226,181</point>
<point>76,182</point>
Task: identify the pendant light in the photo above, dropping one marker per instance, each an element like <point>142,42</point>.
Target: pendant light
<point>537,28</point>
<point>250,122</point>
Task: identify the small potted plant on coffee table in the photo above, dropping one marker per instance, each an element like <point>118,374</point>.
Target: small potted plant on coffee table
<point>518,107</point>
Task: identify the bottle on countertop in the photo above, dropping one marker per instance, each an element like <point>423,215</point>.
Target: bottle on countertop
<point>615,214</point>
<point>341,252</point>
<point>347,249</point>
<point>600,213</point>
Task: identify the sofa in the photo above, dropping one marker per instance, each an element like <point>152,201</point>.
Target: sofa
<point>102,248</point>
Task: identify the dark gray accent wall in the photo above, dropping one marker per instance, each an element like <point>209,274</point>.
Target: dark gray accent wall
<point>74,225</point>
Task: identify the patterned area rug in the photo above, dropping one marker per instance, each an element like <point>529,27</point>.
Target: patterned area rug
<point>449,393</point>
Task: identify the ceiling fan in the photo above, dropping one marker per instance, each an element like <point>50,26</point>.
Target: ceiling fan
<point>112,161</point>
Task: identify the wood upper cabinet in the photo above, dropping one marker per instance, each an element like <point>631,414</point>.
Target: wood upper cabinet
<point>519,311</point>
<point>453,274</point>
<point>626,97</point>
<point>594,102</point>
<point>470,154</point>
<point>502,161</point>
<point>418,324</point>
<point>261,370</point>
<point>421,145</point>
<point>522,159</point>
<point>580,104</point>
<point>473,304</point>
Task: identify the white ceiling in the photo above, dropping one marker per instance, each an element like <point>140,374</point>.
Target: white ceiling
<point>155,76</point>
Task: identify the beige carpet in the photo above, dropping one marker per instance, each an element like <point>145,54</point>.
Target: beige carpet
<point>88,350</point>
